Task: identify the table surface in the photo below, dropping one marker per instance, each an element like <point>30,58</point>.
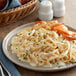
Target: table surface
<point>69,18</point>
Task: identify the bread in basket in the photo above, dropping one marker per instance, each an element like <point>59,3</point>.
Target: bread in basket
<point>15,14</point>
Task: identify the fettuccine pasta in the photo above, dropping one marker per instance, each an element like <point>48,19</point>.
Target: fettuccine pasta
<point>45,44</point>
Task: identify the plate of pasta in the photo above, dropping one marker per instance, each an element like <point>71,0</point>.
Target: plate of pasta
<point>42,46</point>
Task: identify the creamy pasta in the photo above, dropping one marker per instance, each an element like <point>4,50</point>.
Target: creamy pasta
<point>45,44</point>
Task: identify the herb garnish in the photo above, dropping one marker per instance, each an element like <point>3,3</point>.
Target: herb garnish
<point>25,58</point>
<point>29,33</point>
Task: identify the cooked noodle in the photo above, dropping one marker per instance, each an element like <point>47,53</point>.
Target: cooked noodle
<point>41,46</point>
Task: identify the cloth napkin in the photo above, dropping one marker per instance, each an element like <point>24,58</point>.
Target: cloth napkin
<point>8,64</point>
<point>13,4</point>
<point>0,73</point>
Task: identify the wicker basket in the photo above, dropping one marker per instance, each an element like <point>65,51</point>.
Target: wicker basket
<point>15,14</point>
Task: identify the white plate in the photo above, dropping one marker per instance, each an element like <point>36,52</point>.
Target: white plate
<point>14,59</point>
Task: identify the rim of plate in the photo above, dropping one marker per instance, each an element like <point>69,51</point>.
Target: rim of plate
<point>28,66</point>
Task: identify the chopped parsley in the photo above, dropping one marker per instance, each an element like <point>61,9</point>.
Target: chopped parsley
<point>20,34</point>
<point>16,48</point>
<point>46,33</point>
<point>73,41</point>
<point>27,50</point>
<point>57,63</point>
<point>29,33</point>
<point>25,58</point>
<point>38,33</point>
<point>23,54</point>
<point>38,40</point>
